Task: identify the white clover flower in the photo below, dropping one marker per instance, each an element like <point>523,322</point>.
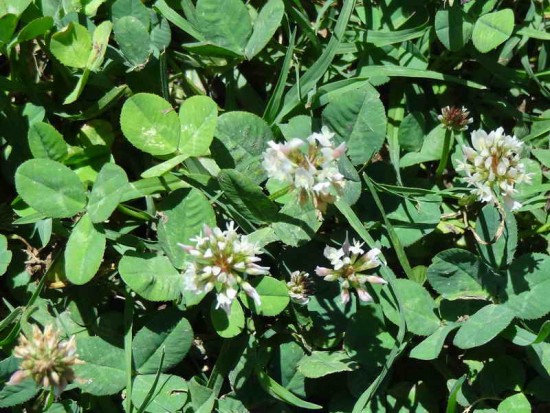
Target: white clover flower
<point>299,287</point>
<point>46,358</point>
<point>454,118</point>
<point>349,263</point>
<point>493,166</point>
<point>308,166</point>
<point>222,260</point>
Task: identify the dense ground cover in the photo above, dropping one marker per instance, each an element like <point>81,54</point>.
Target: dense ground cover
<point>274,206</point>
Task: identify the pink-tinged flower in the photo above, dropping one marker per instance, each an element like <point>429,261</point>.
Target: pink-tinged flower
<point>299,287</point>
<point>310,166</point>
<point>222,261</point>
<point>46,358</point>
<point>454,118</point>
<point>348,265</point>
<point>492,166</point>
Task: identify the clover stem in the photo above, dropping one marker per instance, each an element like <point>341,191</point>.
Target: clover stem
<point>280,193</point>
<point>444,153</point>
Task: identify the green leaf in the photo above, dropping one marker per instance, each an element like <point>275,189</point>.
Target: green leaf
<point>457,273</point>
<point>84,251</point>
<point>413,220</point>
<point>8,23</point>
<point>431,346</point>
<point>227,326</point>
<point>241,140</point>
<point>453,28</point>
<point>297,224</point>
<point>91,6</point>
<point>528,286</point>
<point>100,41</point>
<point>166,331</point>
<point>217,21</point>
<point>183,215</point>
<point>5,254</point>
<point>133,38</point>
<point>16,7</point>
<point>453,393</point>
<point>359,119</point>
<point>493,29</point>
<point>133,8</point>
<point>543,155</point>
<point>170,393</point>
<point>151,276</point>
<point>521,337</point>
<point>198,117</point>
<point>17,394</point>
<point>483,326</point>
<point>35,28</point>
<point>247,197</point>
<point>417,306</point>
<point>411,132</point>
<point>50,188</point>
<point>106,192</point>
<point>202,397</point>
<point>273,294</point>
<point>430,151</point>
<point>72,45</point>
<point>366,339</point>
<point>500,252</point>
<point>160,37</point>
<point>103,371</point>
<point>78,89</point>
<point>323,363</point>
<point>177,20</point>
<point>46,142</point>
<point>265,26</point>
<point>150,124</point>
<point>517,403</point>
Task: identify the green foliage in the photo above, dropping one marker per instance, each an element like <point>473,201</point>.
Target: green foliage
<point>162,342</point>
<point>174,196</point>
<point>151,276</point>
<point>84,251</point>
<point>50,188</point>
<point>150,124</point>
<point>493,29</point>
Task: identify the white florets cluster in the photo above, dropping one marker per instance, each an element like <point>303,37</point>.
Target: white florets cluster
<point>222,260</point>
<point>308,166</point>
<point>493,166</point>
<point>349,262</point>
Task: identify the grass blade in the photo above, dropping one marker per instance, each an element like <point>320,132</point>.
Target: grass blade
<point>318,69</point>
<point>274,103</point>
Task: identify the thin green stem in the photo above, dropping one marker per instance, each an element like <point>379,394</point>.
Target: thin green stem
<point>444,153</point>
<point>280,193</point>
<point>128,327</point>
<point>394,238</point>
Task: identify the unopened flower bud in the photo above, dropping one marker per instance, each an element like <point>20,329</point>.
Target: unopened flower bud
<point>300,287</point>
<point>454,118</point>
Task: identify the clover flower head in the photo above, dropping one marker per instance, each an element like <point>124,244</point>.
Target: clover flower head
<point>348,266</point>
<point>454,118</point>
<point>310,167</point>
<point>222,260</point>
<point>46,358</point>
<point>492,166</point>
<point>299,287</point>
